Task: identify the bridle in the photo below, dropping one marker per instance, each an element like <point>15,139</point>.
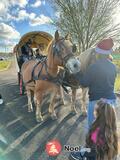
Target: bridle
<point>57,52</point>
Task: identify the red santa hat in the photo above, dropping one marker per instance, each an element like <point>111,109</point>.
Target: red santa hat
<point>105,46</point>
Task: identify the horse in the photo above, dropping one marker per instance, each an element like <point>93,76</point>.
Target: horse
<point>86,58</point>
<point>43,77</point>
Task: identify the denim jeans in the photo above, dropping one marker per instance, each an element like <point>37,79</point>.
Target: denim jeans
<point>90,110</point>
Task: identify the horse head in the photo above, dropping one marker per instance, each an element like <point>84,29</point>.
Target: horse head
<point>63,53</point>
<point>86,58</point>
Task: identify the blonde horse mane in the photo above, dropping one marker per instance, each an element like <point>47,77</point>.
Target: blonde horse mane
<point>85,58</point>
<point>49,47</point>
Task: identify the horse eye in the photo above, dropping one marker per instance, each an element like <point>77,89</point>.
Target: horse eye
<point>74,48</point>
<point>56,49</point>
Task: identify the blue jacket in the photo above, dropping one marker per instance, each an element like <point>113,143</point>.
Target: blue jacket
<point>100,79</point>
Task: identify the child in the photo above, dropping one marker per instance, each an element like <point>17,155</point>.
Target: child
<point>102,140</point>
<point>1,100</point>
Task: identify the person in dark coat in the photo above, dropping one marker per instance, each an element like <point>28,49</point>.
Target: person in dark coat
<point>26,53</point>
<point>99,77</point>
<point>26,50</point>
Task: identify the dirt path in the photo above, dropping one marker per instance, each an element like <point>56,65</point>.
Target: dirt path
<point>26,139</point>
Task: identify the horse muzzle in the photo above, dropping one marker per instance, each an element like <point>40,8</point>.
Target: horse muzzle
<point>73,65</point>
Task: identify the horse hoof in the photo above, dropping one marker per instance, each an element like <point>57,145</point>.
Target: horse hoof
<point>62,103</point>
<point>30,110</point>
<point>73,112</point>
<point>54,117</point>
<point>38,119</point>
<point>84,113</point>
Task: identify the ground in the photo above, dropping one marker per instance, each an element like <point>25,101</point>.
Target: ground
<point>24,138</point>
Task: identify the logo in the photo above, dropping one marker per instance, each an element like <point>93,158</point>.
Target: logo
<point>53,148</point>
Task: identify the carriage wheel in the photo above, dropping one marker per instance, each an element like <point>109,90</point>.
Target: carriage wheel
<point>22,87</point>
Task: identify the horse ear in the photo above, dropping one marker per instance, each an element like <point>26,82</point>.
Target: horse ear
<point>56,35</point>
<point>67,37</point>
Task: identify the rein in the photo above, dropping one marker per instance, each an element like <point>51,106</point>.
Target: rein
<point>57,52</point>
<point>70,81</point>
<point>57,80</point>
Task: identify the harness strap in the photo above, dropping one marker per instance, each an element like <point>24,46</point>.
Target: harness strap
<point>58,80</point>
<point>28,81</point>
<point>35,67</point>
<point>42,77</point>
<point>33,77</point>
<point>37,77</point>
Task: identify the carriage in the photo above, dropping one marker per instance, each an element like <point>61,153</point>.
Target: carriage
<point>60,52</point>
<point>39,38</point>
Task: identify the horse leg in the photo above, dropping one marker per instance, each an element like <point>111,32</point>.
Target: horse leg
<point>73,108</point>
<point>29,95</point>
<point>35,100</point>
<point>83,101</point>
<point>52,106</point>
<point>39,117</point>
<point>61,94</point>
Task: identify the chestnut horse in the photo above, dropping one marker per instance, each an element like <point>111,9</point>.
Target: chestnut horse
<point>60,53</point>
<point>86,58</point>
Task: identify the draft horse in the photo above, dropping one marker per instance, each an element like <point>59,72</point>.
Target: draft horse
<point>86,58</point>
<point>41,78</point>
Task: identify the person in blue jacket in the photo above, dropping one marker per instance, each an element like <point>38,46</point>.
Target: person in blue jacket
<point>100,77</point>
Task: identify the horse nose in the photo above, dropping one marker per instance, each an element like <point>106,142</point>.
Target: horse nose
<point>75,65</point>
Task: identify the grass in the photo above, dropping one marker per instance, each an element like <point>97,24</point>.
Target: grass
<point>117,62</point>
<point>117,82</point>
<point>4,64</point>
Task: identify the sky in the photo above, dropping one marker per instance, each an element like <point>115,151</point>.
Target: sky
<point>18,17</point>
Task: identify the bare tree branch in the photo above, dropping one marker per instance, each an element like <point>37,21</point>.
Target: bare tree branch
<point>88,21</point>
